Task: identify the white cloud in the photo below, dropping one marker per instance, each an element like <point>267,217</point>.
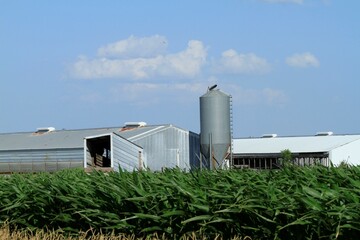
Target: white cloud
<point>266,96</point>
<point>232,62</point>
<point>136,93</point>
<point>303,60</point>
<point>149,94</point>
<point>274,96</point>
<point>184,64</point>
<point>135,47</point>
<point>187,63</point>
<point>284,1</point>
<point>144,58</point>
<point>115,68</point>
<point>145,94</point>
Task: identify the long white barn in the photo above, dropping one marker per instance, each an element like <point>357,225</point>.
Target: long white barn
<point>326,149</point>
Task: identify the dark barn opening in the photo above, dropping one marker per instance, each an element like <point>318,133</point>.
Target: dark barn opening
<point>100,151</point>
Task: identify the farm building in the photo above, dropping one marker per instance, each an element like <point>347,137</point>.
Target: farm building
<point>323,148</point>
<point>134,146</point>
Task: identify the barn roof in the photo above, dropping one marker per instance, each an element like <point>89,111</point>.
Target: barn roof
<point>296,144</point>
<point>60,139</point>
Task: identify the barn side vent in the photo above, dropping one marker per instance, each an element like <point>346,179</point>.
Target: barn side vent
<point>324,133</point>
<point>271,135</point>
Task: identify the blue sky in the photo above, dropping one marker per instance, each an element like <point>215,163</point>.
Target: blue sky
<point>292,66</point>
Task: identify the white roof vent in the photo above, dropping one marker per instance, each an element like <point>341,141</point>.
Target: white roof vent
<point>324,133</point>
<point>45,129</point>
<point>135,124</point>
<point>271,135</point>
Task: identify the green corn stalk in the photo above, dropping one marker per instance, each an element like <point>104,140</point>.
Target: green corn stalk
<point>309,202</point>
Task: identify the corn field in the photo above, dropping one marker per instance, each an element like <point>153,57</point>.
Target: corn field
<point>291,203</point>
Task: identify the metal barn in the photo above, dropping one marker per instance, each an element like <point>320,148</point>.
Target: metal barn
<point>131,146</point>
<point>325,149</point>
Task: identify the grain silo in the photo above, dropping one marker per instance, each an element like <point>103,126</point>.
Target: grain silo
<point>215,130</point>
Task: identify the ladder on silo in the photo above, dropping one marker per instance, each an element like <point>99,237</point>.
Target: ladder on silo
<point>231,133</point>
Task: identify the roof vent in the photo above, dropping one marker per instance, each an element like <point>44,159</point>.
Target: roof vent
<point>271,135</point>
<point>324,133</point>
<point>135,124</point>
<point>45,129</point>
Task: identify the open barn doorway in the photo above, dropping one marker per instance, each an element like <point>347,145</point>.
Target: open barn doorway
<point>99,150</point>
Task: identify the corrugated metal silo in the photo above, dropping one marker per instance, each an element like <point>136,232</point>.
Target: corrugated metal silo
<point>215,131</point>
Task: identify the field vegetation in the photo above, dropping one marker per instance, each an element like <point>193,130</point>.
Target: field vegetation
<point>7,234</point>
<point>291,203</point>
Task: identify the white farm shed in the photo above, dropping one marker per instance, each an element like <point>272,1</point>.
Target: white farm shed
<point>265,152</point>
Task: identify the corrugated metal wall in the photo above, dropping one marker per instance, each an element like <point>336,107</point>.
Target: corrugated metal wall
<point>194,151</point>
<point>168,148</point>
<point>87,156</point>
<point>126,154</point>
<point>40,160</point>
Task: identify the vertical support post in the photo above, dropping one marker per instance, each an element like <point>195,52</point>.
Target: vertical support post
<point>178,158</point>
<point>140,161</point>
<point>231,133</point>
<point>266,167</point>
<point>212,160</point>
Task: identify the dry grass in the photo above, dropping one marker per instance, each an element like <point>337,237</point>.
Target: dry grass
<point>7,234</point>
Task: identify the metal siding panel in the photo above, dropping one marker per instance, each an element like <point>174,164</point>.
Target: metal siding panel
<point>161,148</point>
<point>194,151</point>
<point>40,160</point>
<point>185,150</point>
<point>155,147</point>
<point>88,158</point>
<point>125,154</point>
<point>182,144</point>
<point>86,154</point>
